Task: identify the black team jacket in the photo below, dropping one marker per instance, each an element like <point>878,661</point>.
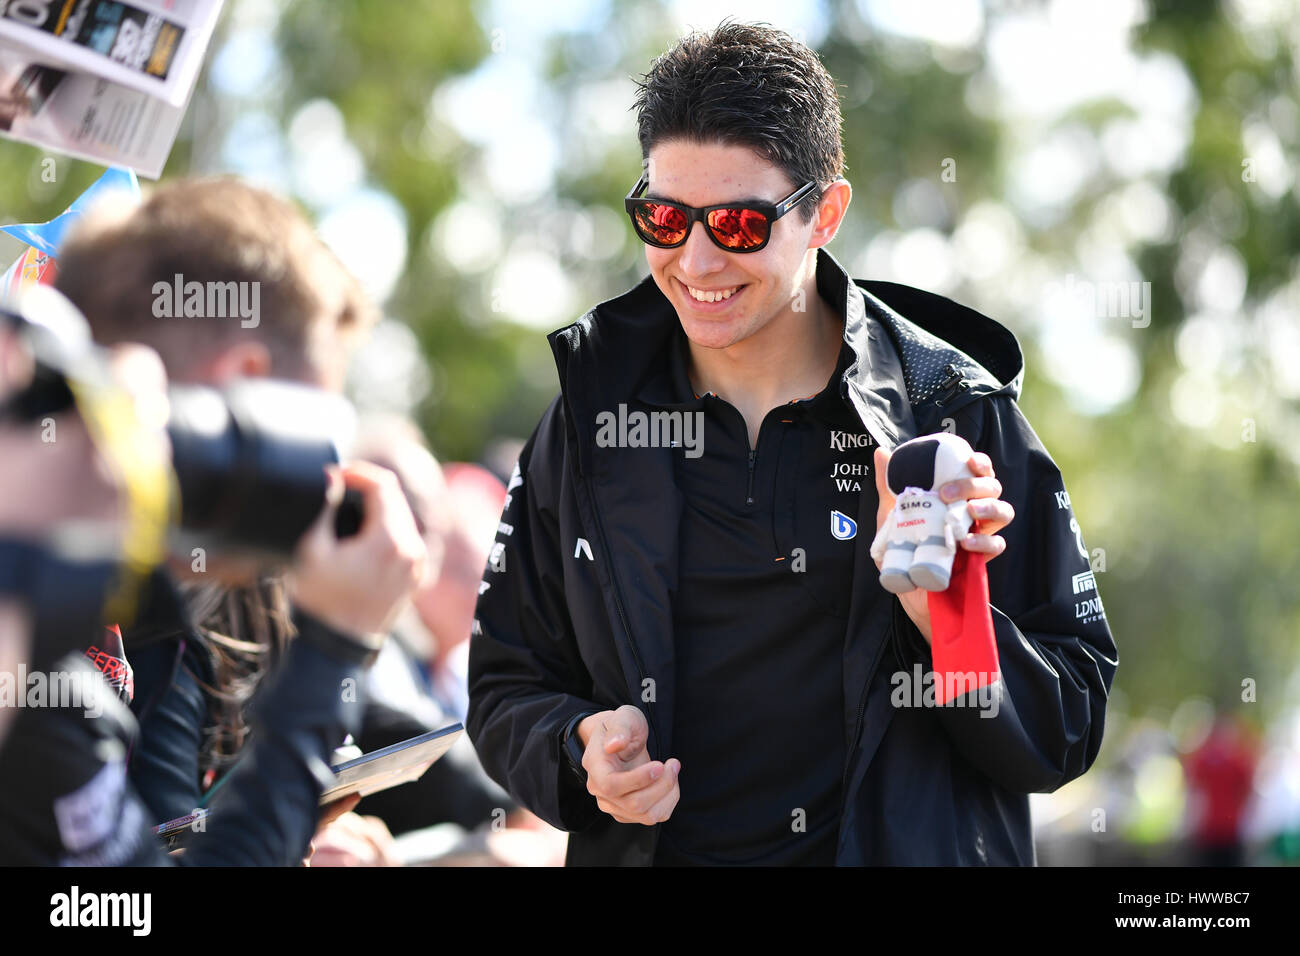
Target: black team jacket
<point>576,607</point>
<point>65,799</point>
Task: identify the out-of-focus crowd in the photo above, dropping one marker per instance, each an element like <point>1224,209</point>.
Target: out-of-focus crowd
<point>160,657</point>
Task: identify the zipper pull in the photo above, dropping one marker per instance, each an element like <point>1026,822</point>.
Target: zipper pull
<point>951,385</point>
<point>749,490</point>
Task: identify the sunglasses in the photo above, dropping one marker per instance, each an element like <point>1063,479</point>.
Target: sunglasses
<point>735,227</point>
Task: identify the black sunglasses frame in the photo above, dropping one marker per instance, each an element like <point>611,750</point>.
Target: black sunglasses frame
<point>773,212</point>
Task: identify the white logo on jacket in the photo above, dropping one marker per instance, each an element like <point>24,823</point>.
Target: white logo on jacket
<point>846,475</point>
<point>1078,537</point>
<point>842,526</point>
<point>843,441</point>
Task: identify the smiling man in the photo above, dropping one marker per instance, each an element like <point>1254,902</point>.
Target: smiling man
<point>688,659</point>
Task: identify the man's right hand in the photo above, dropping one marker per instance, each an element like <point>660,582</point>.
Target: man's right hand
<point>626,783</point>
<point>359,584</point>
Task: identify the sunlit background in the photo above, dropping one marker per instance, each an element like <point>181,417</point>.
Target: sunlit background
<point>1114,181</point>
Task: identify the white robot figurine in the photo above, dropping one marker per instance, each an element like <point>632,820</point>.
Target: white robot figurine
<point>918,541</point>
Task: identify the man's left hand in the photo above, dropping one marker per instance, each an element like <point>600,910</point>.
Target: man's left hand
<point>990,512</point>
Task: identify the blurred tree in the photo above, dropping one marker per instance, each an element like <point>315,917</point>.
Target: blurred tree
<point>381,64</point>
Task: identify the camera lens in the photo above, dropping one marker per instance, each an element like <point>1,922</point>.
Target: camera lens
<point>250,459</point>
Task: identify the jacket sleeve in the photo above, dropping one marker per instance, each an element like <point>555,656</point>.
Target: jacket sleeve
<point>526,675</point>
<point>171,710</point>
<point>266,814</point>
<point>1056,653</point>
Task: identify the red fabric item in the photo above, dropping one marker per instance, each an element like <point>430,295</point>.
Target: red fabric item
<point>961,626</point>
<point>111,661</point>
<point>1221,776</point>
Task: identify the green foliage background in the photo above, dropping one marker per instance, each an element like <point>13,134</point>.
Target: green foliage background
<point>1199,527</point>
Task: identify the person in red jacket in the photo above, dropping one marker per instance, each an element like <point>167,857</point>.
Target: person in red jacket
<point>1220,783</point>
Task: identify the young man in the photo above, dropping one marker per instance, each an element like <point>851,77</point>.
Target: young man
<point>683,654</point>
<point>277,302</point>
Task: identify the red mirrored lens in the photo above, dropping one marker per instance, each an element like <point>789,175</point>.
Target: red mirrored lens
<point>739,228</point>
<point>657,223</point>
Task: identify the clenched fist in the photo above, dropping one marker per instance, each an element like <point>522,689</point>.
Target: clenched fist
<point>626,783</point>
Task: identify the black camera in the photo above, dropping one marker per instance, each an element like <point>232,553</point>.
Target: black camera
<point>248,459</point>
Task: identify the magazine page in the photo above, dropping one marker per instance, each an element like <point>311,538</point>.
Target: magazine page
<point>152,46</point>
<point>84,116</point>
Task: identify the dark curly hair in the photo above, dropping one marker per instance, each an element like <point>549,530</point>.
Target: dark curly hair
<point>747,84</point>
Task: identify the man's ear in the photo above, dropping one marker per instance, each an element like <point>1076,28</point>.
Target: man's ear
<point>830,212</point>
<point>249,359</point>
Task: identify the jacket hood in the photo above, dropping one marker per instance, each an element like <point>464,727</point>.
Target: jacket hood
<point>919,356</point>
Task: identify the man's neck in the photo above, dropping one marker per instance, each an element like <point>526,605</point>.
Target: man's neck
<point>791,358</point>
